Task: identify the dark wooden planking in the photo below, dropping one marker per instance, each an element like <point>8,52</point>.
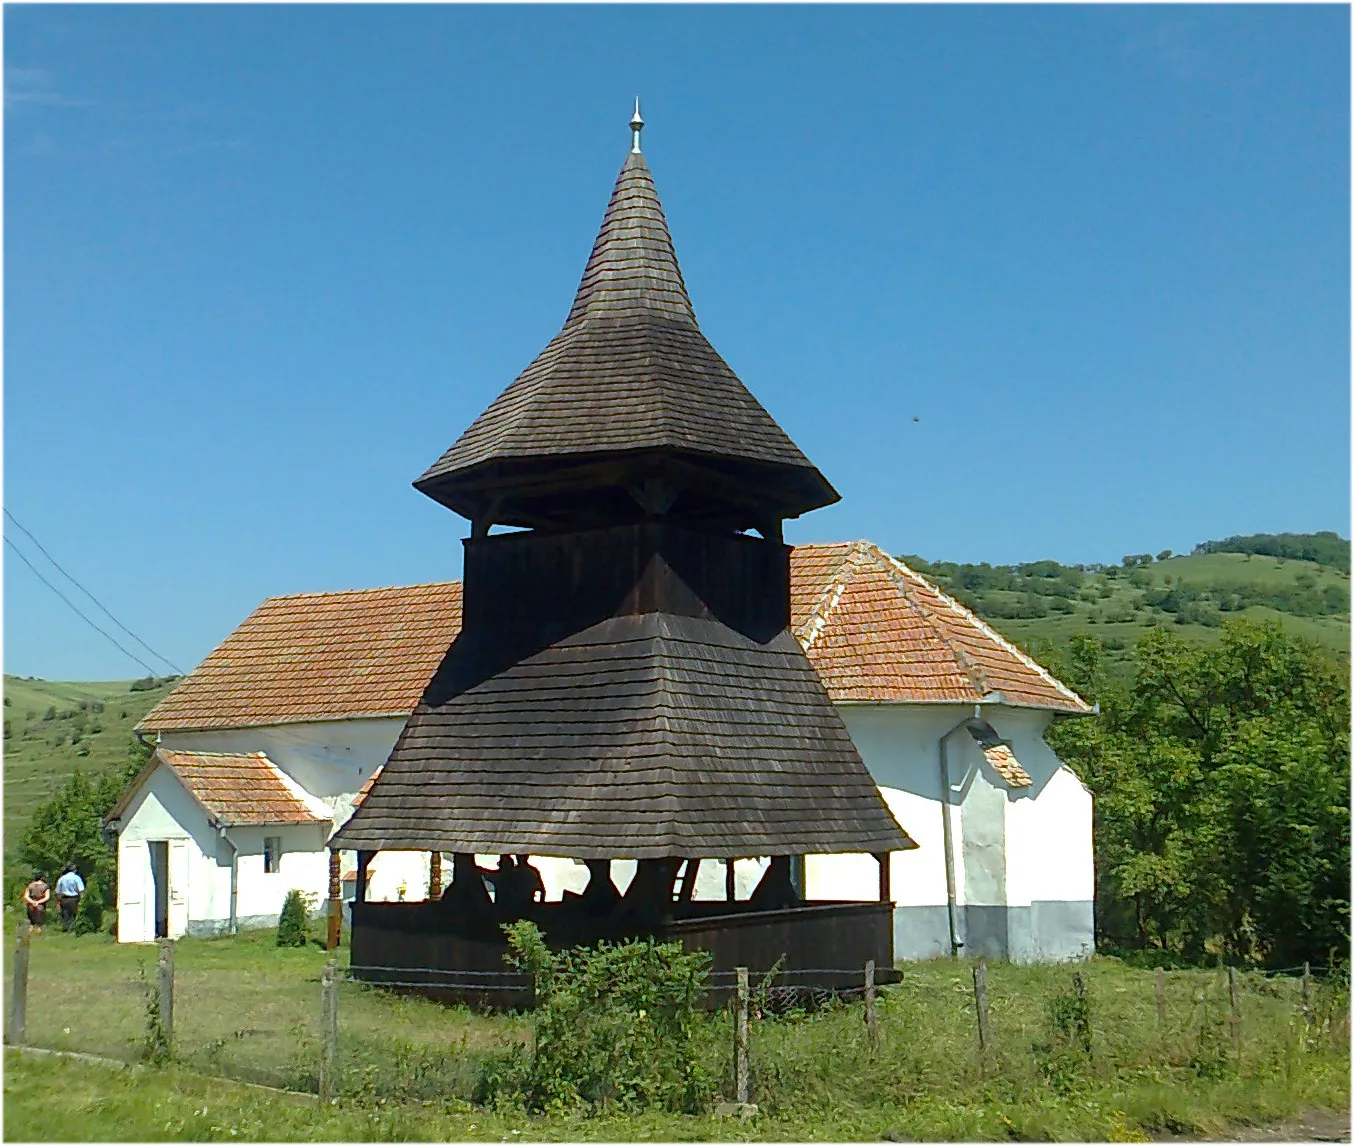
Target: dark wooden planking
<point>630,371</point>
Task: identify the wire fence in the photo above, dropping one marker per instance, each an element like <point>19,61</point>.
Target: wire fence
<point>263,1015</point>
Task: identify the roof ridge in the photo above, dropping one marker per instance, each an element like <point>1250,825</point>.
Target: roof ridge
<point>357,592</point>
<point>830,599</point>
<point>969,615</point>
<point>970,667</point>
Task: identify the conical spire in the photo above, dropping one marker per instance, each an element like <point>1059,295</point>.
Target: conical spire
<point>633,265</point>
<point>627,393</point>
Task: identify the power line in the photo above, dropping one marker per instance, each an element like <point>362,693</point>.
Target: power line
<point>27,533</point>
<point>75,610</point>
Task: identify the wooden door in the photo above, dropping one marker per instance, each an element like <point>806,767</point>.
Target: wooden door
<point>178,888</point>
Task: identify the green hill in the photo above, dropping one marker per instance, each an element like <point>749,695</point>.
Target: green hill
<point>54,727</point>
<point>1044,602</point>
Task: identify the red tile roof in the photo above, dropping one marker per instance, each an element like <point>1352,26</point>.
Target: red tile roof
<point>233,788</point>
<point>319,656</point>
<point>877,631</point>
<point>874,630</point>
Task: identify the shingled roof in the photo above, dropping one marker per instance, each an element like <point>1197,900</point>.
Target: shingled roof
<point>233,788</point>
<point>874,629</point>
<point>878,631</point>
<point>630,373</point>
<point>649,736</point>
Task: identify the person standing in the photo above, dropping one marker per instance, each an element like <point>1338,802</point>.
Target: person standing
<point>36,895</point>
<point>69,888</point>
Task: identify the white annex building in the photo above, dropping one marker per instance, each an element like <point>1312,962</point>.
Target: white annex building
<point>264,750</point>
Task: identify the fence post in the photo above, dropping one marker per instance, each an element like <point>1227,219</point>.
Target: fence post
<point>329,1020</point>
<point>871,1026</point>
<point>740,1066</point>
<point>165,981</point>
<point>980,998</point>
<point>18,1003</point>
<point>1235,1001</point>
<point>1307,993</point>
<point>334,928</point>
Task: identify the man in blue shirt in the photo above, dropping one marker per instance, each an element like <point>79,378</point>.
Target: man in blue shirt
<point>69,888</point>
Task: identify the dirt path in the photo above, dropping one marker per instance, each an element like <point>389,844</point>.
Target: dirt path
<point>1307,1126</point>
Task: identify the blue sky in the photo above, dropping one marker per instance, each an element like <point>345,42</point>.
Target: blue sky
<point>264,264</point>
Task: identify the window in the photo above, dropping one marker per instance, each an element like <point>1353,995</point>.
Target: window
<point>272,854</point>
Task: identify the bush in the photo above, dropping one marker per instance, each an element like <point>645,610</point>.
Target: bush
<point>615,1025</point>
<point>89,913</point>
<point>293,924</point>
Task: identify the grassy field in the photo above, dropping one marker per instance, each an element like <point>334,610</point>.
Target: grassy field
<point>89,727</point>
<point>407,1070</point>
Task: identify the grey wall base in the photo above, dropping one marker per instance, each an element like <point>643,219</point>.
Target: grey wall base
<point>210,928</point>
<point>1049,931</point>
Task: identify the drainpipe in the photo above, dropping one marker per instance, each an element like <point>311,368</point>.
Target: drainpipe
<point>950,898</point>
<point>234,878</point>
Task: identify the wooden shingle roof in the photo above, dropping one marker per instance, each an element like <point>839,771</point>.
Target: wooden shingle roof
<point>233,788</point>
<point>874,630</point>
<point>629,374</point>
<point>639,737</point>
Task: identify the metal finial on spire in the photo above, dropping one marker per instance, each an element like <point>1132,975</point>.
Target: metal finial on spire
<point>636,125</point>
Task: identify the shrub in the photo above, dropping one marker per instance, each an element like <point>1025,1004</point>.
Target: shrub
<point>89,913</point>
<point>615,1025</point>
<point>293,924</point>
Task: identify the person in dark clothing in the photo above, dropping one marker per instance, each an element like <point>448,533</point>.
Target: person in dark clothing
<point>36,895</point>
<point>69,888</point>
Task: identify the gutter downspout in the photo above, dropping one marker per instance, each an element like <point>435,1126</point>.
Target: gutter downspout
<point>234,877</point>
<point>945,793</point>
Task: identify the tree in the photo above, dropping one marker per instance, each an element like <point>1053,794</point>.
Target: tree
<point>1221,777</point>
<point>293,924</point>
<point>68,828</point>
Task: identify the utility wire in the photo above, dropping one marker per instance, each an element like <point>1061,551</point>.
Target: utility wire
<point>27,533</point>
<point>77,612</point>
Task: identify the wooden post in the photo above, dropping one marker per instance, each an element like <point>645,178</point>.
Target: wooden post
<point>329,1020</point>
<point>730,887</point>
<point>871,1028</point>
<point>17,1034</point>
<point>363,859</point>
<point>980,999</point>
<point>1161,999</point>
<point>165,985</point>
<point>435,875</point>
<point>885,874</point>
<point>1307,993</point>
<point>1235,1000</point>
<point>335,927</point>
<point>740,1035</point>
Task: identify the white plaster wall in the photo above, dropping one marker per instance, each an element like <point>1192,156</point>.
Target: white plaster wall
<point>1050,852</point>
<point>304,866</point>
<point>330,759</point>
<point>1009,845</point>
<point>162,810</point>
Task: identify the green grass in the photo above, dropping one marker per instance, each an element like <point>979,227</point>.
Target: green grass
<point>40,754</point>
<point>407,1070</point>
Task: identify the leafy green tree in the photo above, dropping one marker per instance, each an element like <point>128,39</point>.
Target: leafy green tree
<point>1221,777</point>
<point>68,828</point>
